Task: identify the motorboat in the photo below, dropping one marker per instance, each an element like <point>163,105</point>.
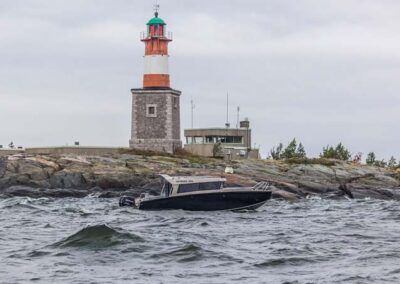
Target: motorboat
<point>200,193</point>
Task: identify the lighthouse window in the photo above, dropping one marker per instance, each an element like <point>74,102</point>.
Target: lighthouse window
<point>151,110</point>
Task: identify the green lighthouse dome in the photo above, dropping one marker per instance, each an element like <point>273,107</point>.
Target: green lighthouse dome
<point>156,21</point>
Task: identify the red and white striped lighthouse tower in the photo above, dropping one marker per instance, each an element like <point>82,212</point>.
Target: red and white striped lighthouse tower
<point>156,106</point>
<point>156,72</point>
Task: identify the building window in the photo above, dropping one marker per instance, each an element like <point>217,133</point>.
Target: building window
<point>211,139</point>
<point>224,139</point>
<point>151,110</point>
<point>175,102</point>
<point>198,140</point>
<point>214,139</point>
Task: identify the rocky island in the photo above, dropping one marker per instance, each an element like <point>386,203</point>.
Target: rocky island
<point>129,173</point>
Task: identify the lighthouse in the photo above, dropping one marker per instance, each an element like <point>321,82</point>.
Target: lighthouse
<point>156,106</point>
<point>156,72</point>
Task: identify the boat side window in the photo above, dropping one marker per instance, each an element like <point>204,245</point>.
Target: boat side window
<point>190,187</point>
<point>209,185</point>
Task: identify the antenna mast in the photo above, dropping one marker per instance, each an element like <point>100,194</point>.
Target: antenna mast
<point>227,124</point>
<point>156,8</point>
<point>237,121</point>
<point>192,107</point>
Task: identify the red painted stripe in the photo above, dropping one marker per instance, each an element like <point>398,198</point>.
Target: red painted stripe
<point>155,80</point>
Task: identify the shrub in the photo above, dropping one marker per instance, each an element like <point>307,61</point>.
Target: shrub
<point>301,152</point>
<point>291,151</point>
<point>217,150</point>
<point>357,158</point>
<point>276,153</point>
<point>339,152</point>
<point>392,163</point>
<point>381,164</point>
<point>370,158</point>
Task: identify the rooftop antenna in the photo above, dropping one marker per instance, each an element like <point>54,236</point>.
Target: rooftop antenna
<point>156,8</point>
<point>227,124</point>
<point>192,107</point>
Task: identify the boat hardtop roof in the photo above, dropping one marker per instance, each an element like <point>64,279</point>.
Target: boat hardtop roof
<point>191,179</point>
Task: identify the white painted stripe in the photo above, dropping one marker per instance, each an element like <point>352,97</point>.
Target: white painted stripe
<point>156,64</point>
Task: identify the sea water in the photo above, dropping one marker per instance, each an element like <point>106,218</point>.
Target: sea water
<point>92,240</point>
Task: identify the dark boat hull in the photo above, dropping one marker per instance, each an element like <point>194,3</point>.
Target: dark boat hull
<point>237,200</point>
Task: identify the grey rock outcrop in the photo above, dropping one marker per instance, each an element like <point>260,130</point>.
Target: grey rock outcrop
<point>115,175</point>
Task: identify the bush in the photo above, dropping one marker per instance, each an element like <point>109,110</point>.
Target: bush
<point>339,153</point>
<point>392,163</point>
<point>276,153</point>
<point>381,164</point>
<point>357,158</point>
<point>372,161</point>
<point>217,150</point>
<point>291,151</point>
<point>371,158</point>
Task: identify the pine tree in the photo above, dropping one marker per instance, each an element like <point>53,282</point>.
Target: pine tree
<point>301,152</point>
<point>342,153</point>
<point>371,158</point>
<point>276,153</point>
<point>392,163</point>
<point>339,152</point>
<point>328,152</point>
<point>290,150</point>
<point>381,164</point>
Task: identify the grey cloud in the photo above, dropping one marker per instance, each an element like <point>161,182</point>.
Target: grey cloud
<point>321,71</point>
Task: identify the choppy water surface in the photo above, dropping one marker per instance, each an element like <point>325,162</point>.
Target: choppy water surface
<point>92,240</point>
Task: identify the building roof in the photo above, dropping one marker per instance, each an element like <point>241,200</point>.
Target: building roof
<point>156,21</point>
<point>215,128</point>
<point>215,131</point>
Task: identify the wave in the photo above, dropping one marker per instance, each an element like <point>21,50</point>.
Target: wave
<point>285,261</point>
<point>186,253</point>
<point>98,237</point>
<point>24,203</point>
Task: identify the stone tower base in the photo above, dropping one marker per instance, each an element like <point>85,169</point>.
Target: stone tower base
<point>156,120</point>
<point>157,145</point>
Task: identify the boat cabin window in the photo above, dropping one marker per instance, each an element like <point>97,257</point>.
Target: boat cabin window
<point>190,187</point>
<point>166,190</point>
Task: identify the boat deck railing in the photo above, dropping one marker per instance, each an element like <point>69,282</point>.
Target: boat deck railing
<point>262,186</point>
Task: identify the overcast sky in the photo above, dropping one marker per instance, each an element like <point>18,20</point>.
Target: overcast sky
<point>323,71</point>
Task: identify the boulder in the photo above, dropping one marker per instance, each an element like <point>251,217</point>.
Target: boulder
<point>313,187</point>
<point>3,166</point>
<point>65,179</point>
<point>32,169</point>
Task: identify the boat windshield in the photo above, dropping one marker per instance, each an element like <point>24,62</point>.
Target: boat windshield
<point>191,187</point>
<point>166,190</point>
